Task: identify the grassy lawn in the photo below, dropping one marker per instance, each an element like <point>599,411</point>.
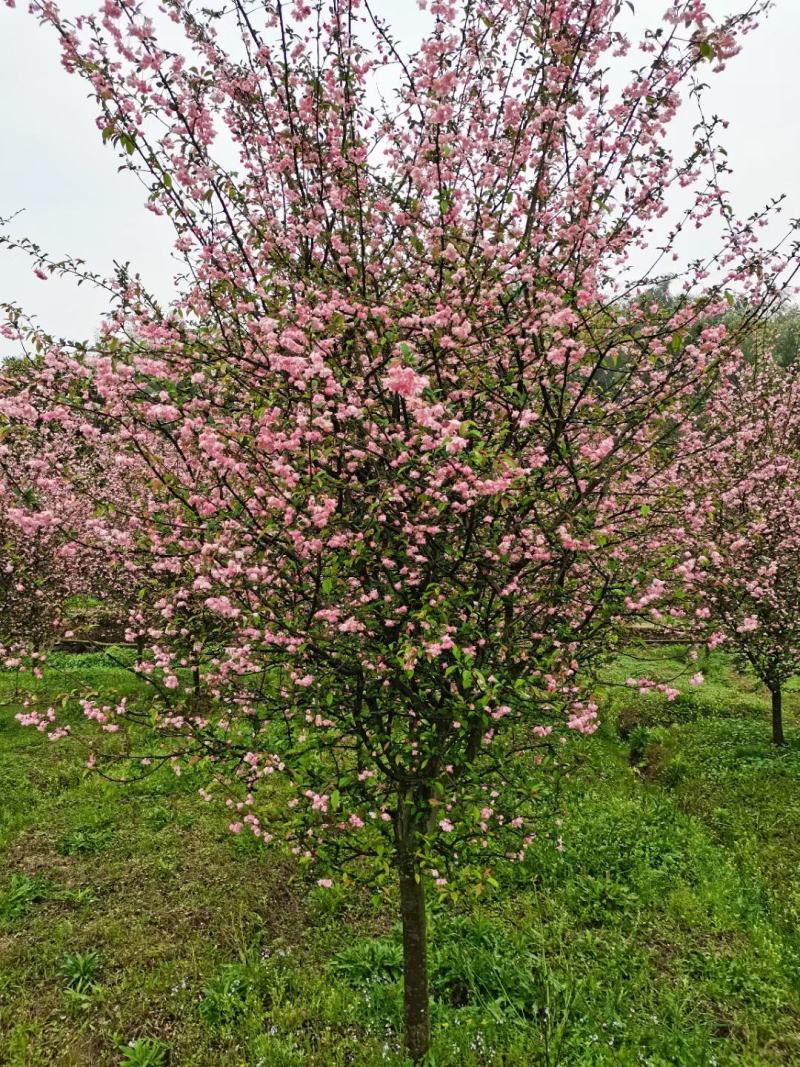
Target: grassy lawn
<point>134,929</point>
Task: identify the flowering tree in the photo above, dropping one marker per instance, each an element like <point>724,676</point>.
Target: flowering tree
<point>393,429</point>
<point>33,582</point>
<point>740,539</point>
<point>37,575</point>
<point>47,557</point>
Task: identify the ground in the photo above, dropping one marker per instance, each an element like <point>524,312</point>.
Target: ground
<point>135,929</point>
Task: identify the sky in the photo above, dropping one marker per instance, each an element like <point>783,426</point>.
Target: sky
<point>55,170</point>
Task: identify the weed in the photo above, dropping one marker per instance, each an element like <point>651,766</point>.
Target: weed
<point>18,896</point>
<point>86,839</point>
<point>225,998</point>
<point>144,1052</point>
<point>80,968</point>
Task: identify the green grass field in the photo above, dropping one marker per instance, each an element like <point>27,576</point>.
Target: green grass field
<point>134,929</point>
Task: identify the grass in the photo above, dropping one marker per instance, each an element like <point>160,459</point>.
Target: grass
<point>135,930</point>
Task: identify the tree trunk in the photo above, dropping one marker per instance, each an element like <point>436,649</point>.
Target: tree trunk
<point>416,1008</point>
<point>777,717</point>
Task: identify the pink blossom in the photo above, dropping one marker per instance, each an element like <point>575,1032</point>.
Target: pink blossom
<point>405,381</point>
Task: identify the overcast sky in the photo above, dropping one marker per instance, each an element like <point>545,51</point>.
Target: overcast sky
<point>54,167</point>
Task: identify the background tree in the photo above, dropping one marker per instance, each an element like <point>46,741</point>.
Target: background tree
<point>779,339</point>
<point>740,539</point>
<point>53,569</point>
